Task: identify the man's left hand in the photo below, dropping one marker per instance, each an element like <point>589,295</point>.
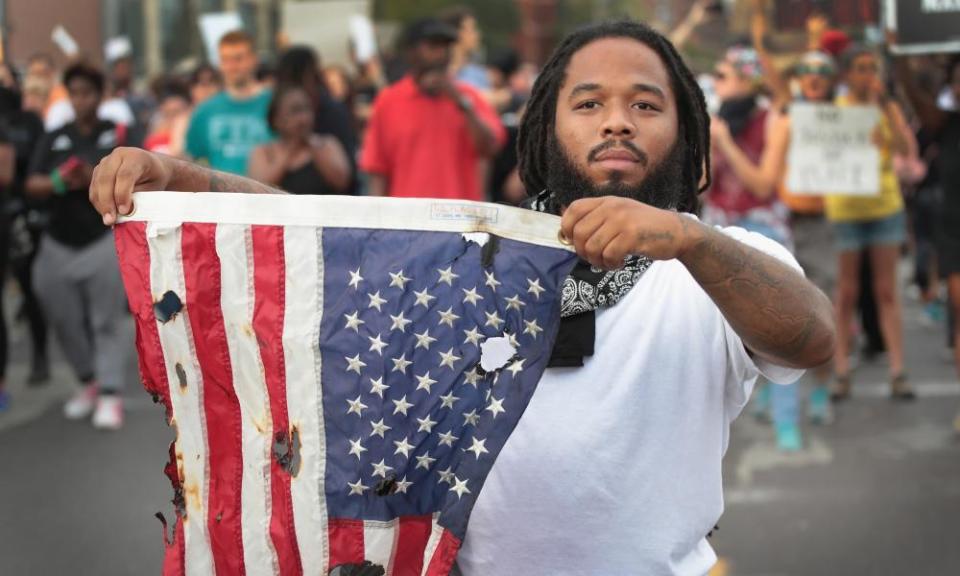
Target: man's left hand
<point>604,231</point>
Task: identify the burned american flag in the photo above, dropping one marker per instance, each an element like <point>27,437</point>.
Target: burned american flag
<point>341,372</point>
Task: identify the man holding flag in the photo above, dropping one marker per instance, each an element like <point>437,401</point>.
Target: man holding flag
<point>614,467</point>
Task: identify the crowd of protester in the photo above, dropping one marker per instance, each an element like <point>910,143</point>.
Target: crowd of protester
<point>438,121</point>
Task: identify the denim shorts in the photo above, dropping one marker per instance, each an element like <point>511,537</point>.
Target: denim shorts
<point>860,234</point>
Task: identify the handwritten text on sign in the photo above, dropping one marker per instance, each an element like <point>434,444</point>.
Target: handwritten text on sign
<point>832,150</point>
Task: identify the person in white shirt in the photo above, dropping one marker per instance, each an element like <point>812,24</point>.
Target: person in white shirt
<point>615,465</point>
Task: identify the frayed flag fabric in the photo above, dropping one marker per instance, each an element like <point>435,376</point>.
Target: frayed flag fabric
<point>340,372</point>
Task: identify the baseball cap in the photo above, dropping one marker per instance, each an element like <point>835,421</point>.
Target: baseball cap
<point>427,29</point>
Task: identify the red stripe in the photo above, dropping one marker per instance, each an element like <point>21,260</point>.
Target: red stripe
<point>201,270</point>
<point>173,557</point>
<point>446,554</point>
<point>134,252</point>
<point>268,316</point>
<point>346,541</point>
<point>412,537</point>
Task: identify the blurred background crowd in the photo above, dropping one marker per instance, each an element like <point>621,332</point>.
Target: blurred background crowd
<point>424,98</point>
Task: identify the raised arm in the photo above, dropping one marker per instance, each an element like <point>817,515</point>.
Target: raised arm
<point>931,116</point>
<point>771,76</point>
<point>129,170</point>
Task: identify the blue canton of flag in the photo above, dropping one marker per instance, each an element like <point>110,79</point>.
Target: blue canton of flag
<point>414,421</point>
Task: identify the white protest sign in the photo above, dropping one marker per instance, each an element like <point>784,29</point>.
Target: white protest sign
<point>832,150</point>
<point>213,26</point>
<point>65,41</point>
<point>363,37</point>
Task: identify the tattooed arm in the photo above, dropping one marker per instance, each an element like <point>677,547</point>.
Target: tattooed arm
<point>129,170</point>
<point>780,316</point>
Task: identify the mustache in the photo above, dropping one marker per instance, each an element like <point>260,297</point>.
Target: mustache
<point>625,144</point>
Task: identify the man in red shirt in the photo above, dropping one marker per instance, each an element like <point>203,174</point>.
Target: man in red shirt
<point>427,134</point>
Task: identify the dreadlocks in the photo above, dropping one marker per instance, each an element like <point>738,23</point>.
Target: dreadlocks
<point>538,121</point>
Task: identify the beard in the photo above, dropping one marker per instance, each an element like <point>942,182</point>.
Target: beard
<point>663,187</point>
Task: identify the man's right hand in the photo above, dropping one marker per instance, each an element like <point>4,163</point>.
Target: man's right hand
<point>123,172</point>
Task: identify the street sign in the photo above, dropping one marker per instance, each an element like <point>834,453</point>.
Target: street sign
<point>924,26</point>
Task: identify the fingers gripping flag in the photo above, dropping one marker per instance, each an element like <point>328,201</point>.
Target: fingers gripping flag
<point>341,373</point>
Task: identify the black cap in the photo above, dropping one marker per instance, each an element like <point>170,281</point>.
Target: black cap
<point>428,29</point>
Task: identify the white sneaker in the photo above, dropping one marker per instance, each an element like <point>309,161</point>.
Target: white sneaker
<point>109,414</point>
<point>82,403</point>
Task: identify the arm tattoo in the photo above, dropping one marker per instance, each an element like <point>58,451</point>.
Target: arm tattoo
<point>778,314</point>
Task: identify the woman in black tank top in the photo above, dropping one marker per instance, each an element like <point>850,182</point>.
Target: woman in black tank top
<point>299,161</point>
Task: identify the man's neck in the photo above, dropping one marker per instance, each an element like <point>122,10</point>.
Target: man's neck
<point>243,91</point>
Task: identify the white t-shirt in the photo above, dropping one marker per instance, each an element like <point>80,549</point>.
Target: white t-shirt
<point>614,467</point>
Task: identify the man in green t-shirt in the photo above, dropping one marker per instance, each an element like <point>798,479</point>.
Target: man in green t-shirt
<point>227,127</point>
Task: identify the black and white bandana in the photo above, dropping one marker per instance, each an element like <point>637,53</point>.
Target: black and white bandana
<point>584,291</point>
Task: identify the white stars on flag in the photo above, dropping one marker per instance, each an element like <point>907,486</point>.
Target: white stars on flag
<point>376,301</point>
<point>356,448</point>
<point>401,406</point>
<point>377,387</point>
<point>424,340</point>
<point>534,287</point>
<point>354,321</point>
<point>471,296</point>
<point>473,337</point>
<point>493,319</point>
<point>459,487</point>
<point>478,447</point>
<point>514,303</point>
<point>423,298</point>
<point>447,275</point>
<point>532,328</point>
<point>377,345</point>
<point>496,407</point>
<point>356,407</point>
<point>447,400</point>
<point>399,322</point>
<point>403,447</point>
<point>471,418</point>
<point>448,358</point>
<point>471,376</point>
<point>426,424</point>
<point>398,279</point>
<point>491,281</point>
<point>354,364</point>
<point>380,468</point>
<point>447,439</point>
<point>355,279</point>
<point>357,488</point>
<point>425,382</point>
<point>379,428</point>
<point>447,317</point>
<point>425,461</point>
<point>446,476</point>
<point>400,364</point>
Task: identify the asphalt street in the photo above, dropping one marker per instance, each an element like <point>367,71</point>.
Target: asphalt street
<point>876,493</point>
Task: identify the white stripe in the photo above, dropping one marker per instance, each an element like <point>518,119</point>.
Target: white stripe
<point>235,250</point>
<point>176,340</point>
<point>303,256</point>
<point>435,533</point>
<point>349,212</point>
<point>379,541</point>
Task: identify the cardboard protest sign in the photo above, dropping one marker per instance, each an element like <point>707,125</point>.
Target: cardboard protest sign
<point>924,26</point>
<point>832,150</point>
